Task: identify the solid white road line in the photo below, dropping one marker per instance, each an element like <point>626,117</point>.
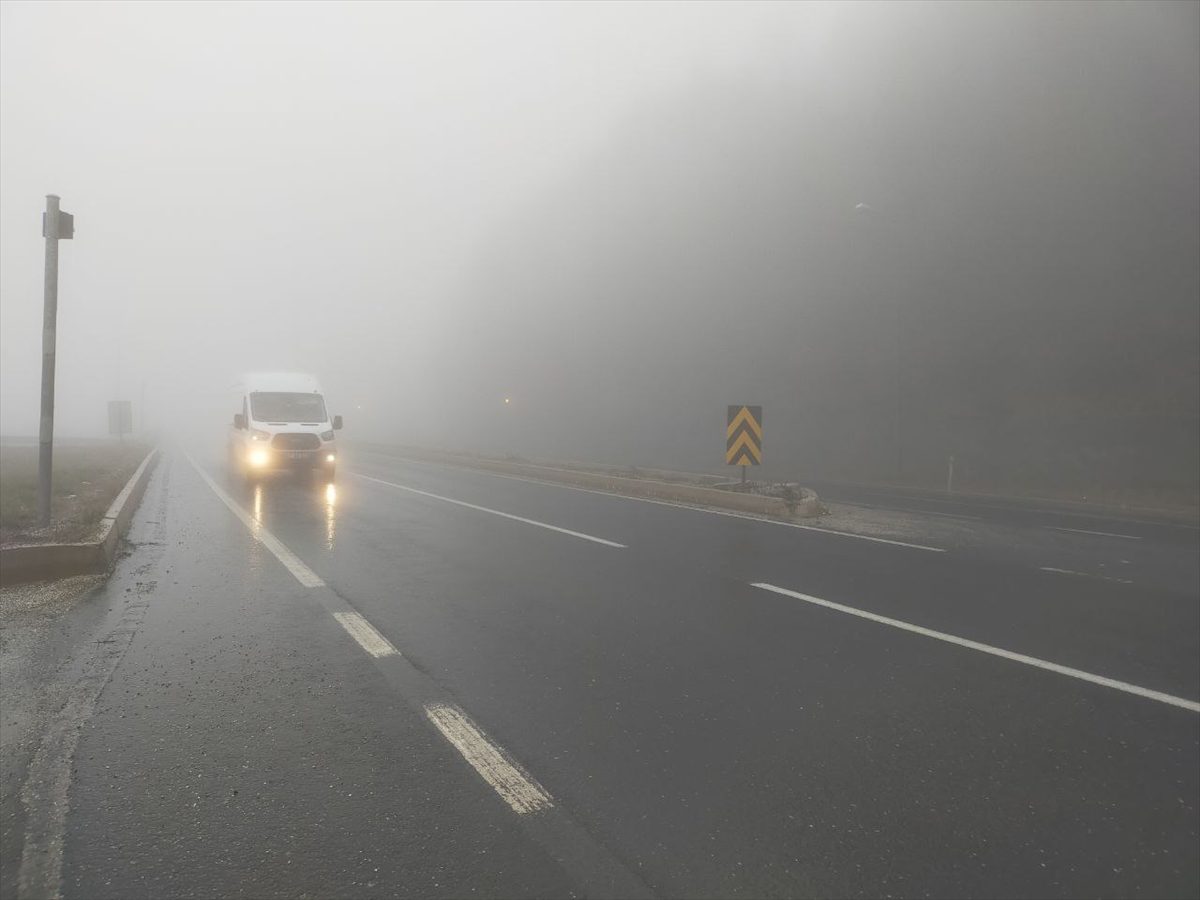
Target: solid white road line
<point>514,785</point>
<point>510,781</point>
<point>495,512</point>
<point>700,509</point>
<point>861,537</point>
<point>994,651</point>
<point>366,635</point>
<point>1083,574</point>
<point>1128,537</point>
<point>303,573</point>
<point>907,511</point>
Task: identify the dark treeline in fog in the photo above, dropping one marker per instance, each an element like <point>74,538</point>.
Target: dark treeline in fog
<point>981,226</point>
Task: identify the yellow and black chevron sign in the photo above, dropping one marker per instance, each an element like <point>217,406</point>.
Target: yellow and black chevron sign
<point>743,436</point>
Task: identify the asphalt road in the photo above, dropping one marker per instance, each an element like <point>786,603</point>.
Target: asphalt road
<point>435,682</point>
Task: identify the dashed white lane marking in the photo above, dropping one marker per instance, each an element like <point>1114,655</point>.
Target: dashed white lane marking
<point>366,635</point>
<point>1170,699</point>
<point>1128,537</point>
<point>516,786</point>
<point>303,573</point>
<point>495,512</point>
<point>1084,574</point>
<point>700,509</point>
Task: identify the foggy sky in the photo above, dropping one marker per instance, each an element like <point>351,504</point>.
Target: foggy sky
<point>263,186</point>
<point>622,216</point>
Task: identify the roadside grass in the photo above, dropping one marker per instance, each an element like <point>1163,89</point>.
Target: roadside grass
<point>86,479</point>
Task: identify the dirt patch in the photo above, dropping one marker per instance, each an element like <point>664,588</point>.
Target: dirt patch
<point>86,480</point>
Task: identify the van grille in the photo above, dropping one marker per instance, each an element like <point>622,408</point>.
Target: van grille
<point>296,442</point>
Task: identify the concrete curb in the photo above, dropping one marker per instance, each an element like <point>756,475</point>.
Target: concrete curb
<point>669,492</point>
<point>42,562</point>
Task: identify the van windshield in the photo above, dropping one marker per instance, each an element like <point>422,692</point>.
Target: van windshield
<point>281,407</point>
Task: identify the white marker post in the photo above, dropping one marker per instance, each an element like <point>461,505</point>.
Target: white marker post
<point>56,226</point>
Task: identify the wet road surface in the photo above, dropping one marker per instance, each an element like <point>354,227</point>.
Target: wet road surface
<point>433,682</point>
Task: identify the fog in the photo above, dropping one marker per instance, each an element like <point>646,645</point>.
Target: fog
<point>908,231</point>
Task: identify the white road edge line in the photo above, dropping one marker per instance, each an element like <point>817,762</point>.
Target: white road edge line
<point>1008,507</point>
<point>1169,699</point>
<point>920,512</point>
<point>366,635</point>
<point>699,509</point>
<point>495,512</point>
<point>1128,537</point>
<point>1083,574</point>
<point>303,573</point>
<point>514,785</point>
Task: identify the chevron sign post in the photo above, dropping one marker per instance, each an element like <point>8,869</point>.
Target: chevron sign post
<point>743,437</point>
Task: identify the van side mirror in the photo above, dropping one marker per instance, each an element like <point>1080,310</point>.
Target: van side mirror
<point>337,423</point>
<point>239,421</point>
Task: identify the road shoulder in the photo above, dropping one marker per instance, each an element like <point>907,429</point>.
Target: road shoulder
<point>42,627</point>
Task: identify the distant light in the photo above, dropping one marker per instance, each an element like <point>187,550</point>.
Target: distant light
<point>330,458</point>
<point>506,400</point>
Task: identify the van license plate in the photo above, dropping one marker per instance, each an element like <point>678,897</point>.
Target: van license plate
<point>296,454</point>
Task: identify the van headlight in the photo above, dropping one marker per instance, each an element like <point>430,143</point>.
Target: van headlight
<point>257,435</point>
<point>327,435</point>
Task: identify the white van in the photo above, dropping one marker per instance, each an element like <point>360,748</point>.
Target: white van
<point>282,424</point>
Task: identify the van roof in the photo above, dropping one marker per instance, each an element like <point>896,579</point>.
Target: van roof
<point>291,382</point>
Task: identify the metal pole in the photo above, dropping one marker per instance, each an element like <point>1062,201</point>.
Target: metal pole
<point>743,474</point>
<point>49,321</point>
<point>950,476</point>
<point>899,396</point>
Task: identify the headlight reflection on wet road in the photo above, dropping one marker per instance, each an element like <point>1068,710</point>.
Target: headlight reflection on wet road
<point>258,513</point>
<point>330,514</point>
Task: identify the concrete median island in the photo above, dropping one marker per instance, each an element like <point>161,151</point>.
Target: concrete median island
<point>668,487</point>
<point>24,558</point>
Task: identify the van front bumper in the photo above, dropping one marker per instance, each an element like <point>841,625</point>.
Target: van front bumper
<point>262,459</point>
